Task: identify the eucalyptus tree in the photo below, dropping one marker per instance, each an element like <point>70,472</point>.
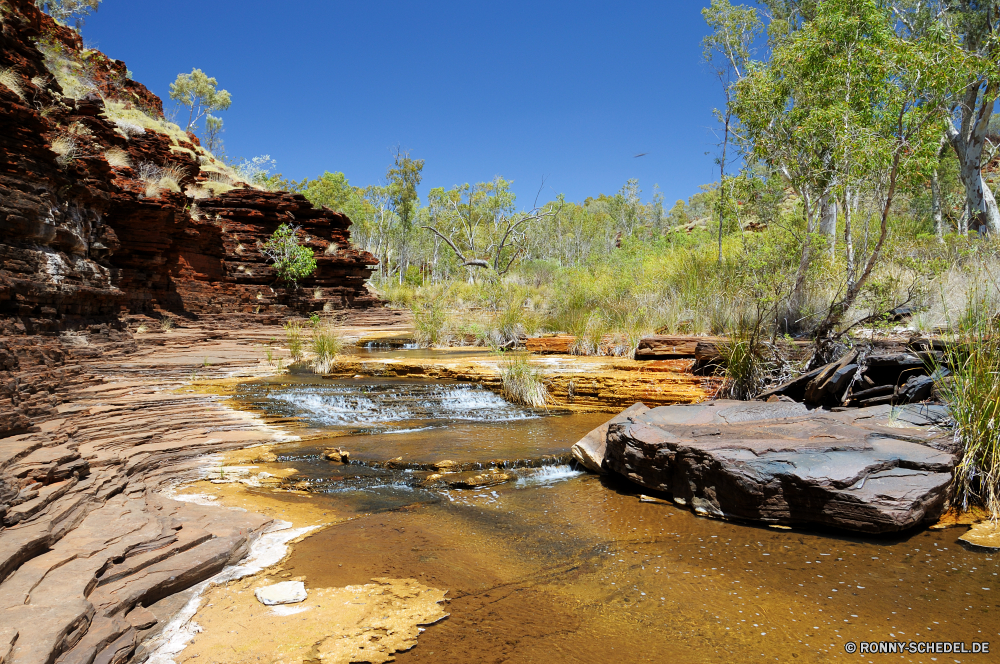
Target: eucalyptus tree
<point>402,179</point>
<point>973,24</point>
<point>200,94</point>
<point>728,50</point>
<point>65,11</point>
<point>482,225</point>
<point>974,27</point>
<point>846,92</point>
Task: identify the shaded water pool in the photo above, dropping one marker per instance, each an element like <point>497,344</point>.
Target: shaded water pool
<point>558,565</point>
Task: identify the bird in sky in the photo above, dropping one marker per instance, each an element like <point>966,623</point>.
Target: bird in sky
<point>641,154</point>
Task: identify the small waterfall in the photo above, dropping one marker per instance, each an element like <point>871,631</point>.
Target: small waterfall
<point>418,404</point>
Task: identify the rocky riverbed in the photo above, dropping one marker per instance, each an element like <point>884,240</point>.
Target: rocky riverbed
<point>98,554</point>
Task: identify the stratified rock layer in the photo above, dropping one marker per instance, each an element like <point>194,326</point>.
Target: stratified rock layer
<point>85,232</point>
<point>868,470</point>
<point>91,233</point>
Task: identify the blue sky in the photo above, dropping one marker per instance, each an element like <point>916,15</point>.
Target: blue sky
<point>568,91</point>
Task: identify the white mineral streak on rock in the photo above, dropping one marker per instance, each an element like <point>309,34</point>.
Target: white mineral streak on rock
<point>268,550</point>
<point>286,592</point>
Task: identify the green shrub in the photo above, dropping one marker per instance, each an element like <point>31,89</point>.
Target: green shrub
<point>291,260</point>
<point>294,340</point>
<point>745,367</point>
<point>430,320</point>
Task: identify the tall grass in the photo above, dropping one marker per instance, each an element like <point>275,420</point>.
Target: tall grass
<point>430,322</point>
<point>745,367</point>
<point>294,340</point>
<point>326,344</point>
<point>972,392</point>
<point>521,383</point>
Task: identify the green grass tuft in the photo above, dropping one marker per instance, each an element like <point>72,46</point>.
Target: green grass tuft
<point>521,383</point>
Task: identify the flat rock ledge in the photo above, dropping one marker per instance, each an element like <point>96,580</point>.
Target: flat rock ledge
<point>871,470</point>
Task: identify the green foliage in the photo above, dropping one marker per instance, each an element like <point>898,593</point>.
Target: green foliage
<point>431,321</point>
<point>198,92</point>
<point>65,11</point>
<point>294,339</point>
<point>403,178</point>
<point>973,395</point>
<point>213,134</point>
<point>291,260</point>
<point>327,342</point>
<point>521,383</point>
<point>331,190</point>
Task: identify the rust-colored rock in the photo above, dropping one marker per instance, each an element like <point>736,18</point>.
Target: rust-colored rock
<point>86,541</point>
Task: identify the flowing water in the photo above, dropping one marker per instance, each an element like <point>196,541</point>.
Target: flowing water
<point>562,566</point>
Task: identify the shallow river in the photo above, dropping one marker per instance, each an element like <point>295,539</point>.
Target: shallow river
<point>559,565</point>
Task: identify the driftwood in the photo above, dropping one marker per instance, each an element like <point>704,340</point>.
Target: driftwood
<point>868,376</point>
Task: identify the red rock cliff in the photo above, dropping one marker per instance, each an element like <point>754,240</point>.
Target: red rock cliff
<point>82,239</point>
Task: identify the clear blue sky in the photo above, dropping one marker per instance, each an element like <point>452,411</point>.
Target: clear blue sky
<point>568,91</point>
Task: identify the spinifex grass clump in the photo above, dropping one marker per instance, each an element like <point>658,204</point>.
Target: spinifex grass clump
<point>430,321</point>
<point>745,365</point>
<point>294,340</point>
<point>520,382</point>
<point>327,343</point>
<point>973,394</point>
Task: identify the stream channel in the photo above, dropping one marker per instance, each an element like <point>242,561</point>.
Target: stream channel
<point>559,565</point>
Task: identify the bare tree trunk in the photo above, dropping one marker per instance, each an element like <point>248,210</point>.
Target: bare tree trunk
<point>968,142</point>
<point>722,172</point>
<point>798,291</point>
<point>836,312</point>
<point>849,238</point>
<point>828,221</point>
<point>936,204</point>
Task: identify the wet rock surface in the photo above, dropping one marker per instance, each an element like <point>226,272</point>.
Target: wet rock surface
<point>870,469</point>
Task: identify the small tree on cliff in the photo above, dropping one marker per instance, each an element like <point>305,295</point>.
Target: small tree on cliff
<point>291,260</point>
<point>66,10</point>
<point>198,92</point>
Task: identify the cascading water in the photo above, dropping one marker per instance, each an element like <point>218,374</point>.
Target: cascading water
<point>398,430</point>
<point>545,563</point>
<point>358,404</point>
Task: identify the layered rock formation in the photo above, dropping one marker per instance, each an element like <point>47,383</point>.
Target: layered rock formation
<point>108,211</point>
<point>868,470</point>
<point>99,214</point>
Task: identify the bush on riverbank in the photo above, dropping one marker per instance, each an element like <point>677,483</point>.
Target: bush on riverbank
<point>327,342</point>
<point>973,393</point>
<point>675,287</point>
<point>521,383</point>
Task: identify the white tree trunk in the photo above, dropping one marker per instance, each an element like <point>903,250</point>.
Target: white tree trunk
<point>983,215</point>
<point>968,142</point>
<point>849,238</point>
<point>828,221</point>
<point>936,205</point>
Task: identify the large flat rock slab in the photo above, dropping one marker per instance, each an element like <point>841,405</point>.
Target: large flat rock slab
<point>870,469</point>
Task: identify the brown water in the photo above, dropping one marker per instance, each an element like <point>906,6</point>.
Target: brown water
<point>564,566</point>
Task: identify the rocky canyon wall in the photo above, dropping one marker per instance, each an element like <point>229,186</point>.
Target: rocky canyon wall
<point>106,211</point>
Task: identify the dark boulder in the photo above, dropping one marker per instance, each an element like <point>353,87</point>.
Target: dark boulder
<point>871,470</point>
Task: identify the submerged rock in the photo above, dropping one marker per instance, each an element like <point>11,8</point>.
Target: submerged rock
<point>336,454</point>
<point>286,592</point>
<point>480,480</point>
<point>983,535</point>
<point>870,469</point>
